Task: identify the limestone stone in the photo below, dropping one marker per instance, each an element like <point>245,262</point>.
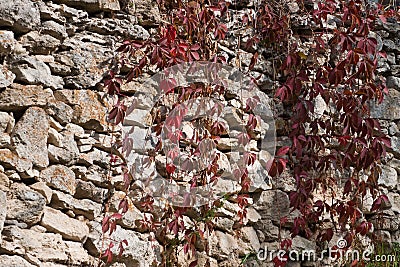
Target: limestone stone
<point>24,204</point>
<point>89,111</point>
<point>32,71</point>
<point>89,190</point>
<point>43,189</point>
<point>389,109</point>
<point>6,122</point>
<point>67,153</point>
<point>29,137</point>
<point>60,111</point>
<point>6,260</point>
<point>92,5</point>
<point>58,222</point>
<point>21,15</point>
<point>18,97</point>
<point>222,245</point>
<point>46,247</point>
<point>6,77</point>
<point>4,182</point>
<point>85,207</point>
<point>272,204</point>
<point>134,252</point>
<point>388,178</point>
<point>54,29</point>
<point>59,177</point>
<point>38,43</point>
<point>7,42</point>
<point>147,13</point>
<point>87,56</point>
<point>78,256</point>
<point>11,160</point>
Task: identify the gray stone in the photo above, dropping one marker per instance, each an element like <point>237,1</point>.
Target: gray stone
<point>90,54</point>
<point>32,71</point>
<point>389,109</point>
<point>67,153</point>
<point>34,245</point>
<point>54,29</point>
<point>133,252</point>
<point>90,191</point>
<point>85,207</point>
<point>92,5</point>
<point>60,69</point>
<point>388,178</point>
<point>7,42</point>
<point>4,182</point>
<point>58,222</point>
<point>273,205</point>
<point>11,160</point>
<point>6,77</point>
<point>43,189</point>
<point>21,15</point>
<point>62,112</point>
<point>6,122</point>
<point>24,204</point>
<point>11,261</point>
<point>393,82</point>
<point>29,137</point>
<point>119,28</point>
<point>59,177</point>
<point>89,111</point>
<point>18,97</point>
<point>38,43</point>
<point>146,11</point>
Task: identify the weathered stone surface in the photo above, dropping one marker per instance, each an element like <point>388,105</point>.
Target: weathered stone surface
<point>66,153</point>
<point>57,222</point>
<point>21,15</point>
<point>6,77</point>
<point>59,177</point>
<point>18,97</point>
<point>6,122</point>
<point>272,204</point>
<point>78,256</point>
<point>32,71</point>
<point>24,204</point>
<point>92,5</point>
<point>6,260</point>
<point>222,245</point>
<point>119,27</point>
<point>38,43</point>
<point>4,182</point>
<point>85,207</point>
<point>89,190</point>
<point>7,42</point>
<point>389,109</point>
<point>89,55</point>
<point>134,252</point>
<point>36,246</point>
<point>388,178</point>
<point>54,29</point>
<point>147,13</point>
<point>11,160</point>
<point>29,137</point>
<point>43,189</point>
<point>89,112</point>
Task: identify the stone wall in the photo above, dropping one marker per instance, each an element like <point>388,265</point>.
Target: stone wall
<point>55,144</point>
